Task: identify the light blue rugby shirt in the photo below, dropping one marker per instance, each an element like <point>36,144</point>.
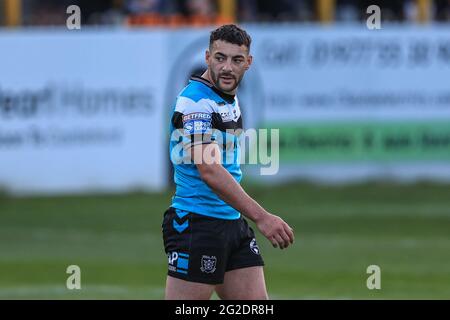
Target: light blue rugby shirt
<point>203,111</point>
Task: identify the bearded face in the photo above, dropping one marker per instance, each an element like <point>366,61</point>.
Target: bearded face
<point>227,64</point>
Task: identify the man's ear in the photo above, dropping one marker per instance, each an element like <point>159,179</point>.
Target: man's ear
<point>249,62</point>
<point>207,56</point>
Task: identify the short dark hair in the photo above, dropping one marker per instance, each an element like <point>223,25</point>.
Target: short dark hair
<point>231,33</point>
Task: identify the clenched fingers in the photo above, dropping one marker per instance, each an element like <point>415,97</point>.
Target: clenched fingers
<point>277,241</point>
<point>286,239</point>
<point>290,233</point>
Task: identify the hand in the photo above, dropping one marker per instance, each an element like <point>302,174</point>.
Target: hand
<point>279,233</point>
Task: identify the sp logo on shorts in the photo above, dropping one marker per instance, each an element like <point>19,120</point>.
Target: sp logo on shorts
<point>254,246</point>
<point>208,264</point>
<point>178,262</point>
<point>172,256</point>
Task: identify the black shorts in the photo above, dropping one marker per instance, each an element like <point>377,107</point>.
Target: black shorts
<point>201,249</point>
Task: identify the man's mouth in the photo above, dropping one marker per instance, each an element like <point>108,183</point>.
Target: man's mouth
<point>227,79</point>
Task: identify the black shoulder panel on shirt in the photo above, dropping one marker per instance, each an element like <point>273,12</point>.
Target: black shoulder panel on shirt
<point>177,120</point>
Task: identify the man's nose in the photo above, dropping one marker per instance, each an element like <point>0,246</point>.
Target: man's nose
<point>227,65</point>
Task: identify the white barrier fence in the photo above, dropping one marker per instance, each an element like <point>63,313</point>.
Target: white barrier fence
<point>89,110</point>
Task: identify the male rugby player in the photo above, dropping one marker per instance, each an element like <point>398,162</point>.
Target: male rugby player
<point>209,244</point>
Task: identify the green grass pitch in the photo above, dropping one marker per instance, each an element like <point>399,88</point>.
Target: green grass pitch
<point>340,231</point>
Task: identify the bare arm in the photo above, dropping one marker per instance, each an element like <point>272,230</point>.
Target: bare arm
<point>226,187</point>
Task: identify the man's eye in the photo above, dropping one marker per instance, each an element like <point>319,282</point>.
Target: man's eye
<point>220,59</point>
<point>238,60</point>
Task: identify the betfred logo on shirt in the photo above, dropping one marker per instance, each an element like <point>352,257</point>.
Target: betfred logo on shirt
<point>196,116</point>
<point>197,122</point>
